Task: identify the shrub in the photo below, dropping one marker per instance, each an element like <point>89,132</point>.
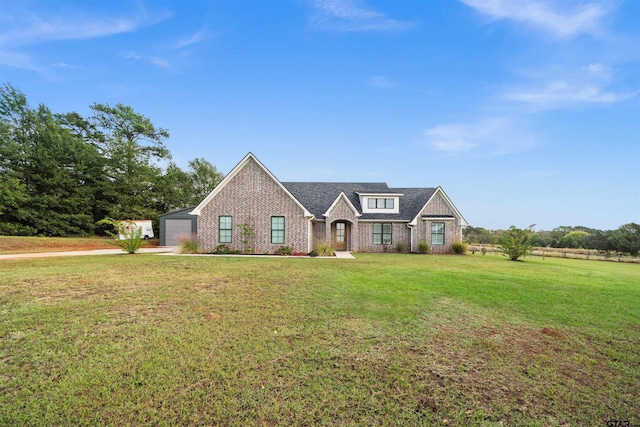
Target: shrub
<point>247,234</point>
<point>459,248</point>
<point>323,248</point>
<point>516,242</point>
<point>225,250</point>
<point>189,244</point>
<point>400,247</point>
<point>283,250</point>
<point>423,248</point>
<point>126,235</point>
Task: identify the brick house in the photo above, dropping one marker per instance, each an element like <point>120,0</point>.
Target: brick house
<point>359,217</point>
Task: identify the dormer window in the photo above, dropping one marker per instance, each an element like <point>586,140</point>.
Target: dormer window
<point>384,203</point>
<point>375,203</point>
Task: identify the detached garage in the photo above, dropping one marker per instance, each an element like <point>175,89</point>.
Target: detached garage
<point>175,224</point>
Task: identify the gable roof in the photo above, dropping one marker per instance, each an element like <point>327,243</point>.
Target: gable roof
<point>318,197</point>
<point>448,201</point>
<point>343,196</point>
<point>248,158</point>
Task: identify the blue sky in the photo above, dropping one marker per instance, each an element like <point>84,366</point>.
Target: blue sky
<point>524,111</point>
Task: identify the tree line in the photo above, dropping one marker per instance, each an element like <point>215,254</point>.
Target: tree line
<point>625,239</point>
<point>60,174</point>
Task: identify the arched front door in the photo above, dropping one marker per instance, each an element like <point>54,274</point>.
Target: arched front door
<point>340,236</point>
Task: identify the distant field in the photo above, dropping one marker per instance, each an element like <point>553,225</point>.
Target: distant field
<point>572,253</point>
<point>381,340</point>
<point>21,244</point>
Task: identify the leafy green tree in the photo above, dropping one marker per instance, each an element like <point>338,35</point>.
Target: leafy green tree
<point>177,189</point>
<point>173,189</point>
<point>626,239</point>
<point>59,179</point>
<point>87,132</point>
<point>46,171</point>
<point>61,173</point>
<point>132,148</point>
<point>14,131</point>
<point>599,240</point>
<point>541,238</point>
<point>477,235</point>
<point>516,242</point>
<point>204,178</point>
<point>573,239</point>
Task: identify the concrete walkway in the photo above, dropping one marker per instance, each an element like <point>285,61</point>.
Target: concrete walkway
<point>167,250</point>
<point>344,255</point>
<point>91,252</point>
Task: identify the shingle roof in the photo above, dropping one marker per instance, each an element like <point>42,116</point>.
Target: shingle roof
<point>317,197</point>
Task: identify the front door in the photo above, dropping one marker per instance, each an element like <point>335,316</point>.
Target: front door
<point>340,236</point>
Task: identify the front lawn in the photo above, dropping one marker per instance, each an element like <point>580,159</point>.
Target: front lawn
<point>383,339</point>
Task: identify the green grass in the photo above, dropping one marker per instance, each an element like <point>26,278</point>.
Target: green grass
<point>383,339</point>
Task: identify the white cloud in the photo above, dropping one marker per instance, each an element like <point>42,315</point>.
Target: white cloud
<point>191,40</point>
<point>17,60</point>
<point>351,16</point>
<point>560,93</point>
<point>454,138</point>
<point>583,19</point>
<point>563,87</point>
<point>491,136</point>
<point>381,82</point>
<point>38,30</point>
<point>153,60</point>
<point>596,68</point>
<point>20,28</point>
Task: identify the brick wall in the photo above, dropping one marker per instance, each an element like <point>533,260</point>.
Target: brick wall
<point>319,233</point>
<point>253,197</point>
<point>399,233</point>
<point>343,212</point>
<point>452,228</point>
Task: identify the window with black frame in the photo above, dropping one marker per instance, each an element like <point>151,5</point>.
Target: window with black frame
<point>225,228</point>
<point>277,229</point>
<point>382,233</point>
<point>437,233</point>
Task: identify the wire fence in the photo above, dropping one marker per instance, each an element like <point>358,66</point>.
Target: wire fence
<point>586,254</point>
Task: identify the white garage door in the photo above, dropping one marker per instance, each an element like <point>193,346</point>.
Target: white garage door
<point>174,228</point>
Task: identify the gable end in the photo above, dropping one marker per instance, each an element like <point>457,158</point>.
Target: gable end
<point>229,177</point>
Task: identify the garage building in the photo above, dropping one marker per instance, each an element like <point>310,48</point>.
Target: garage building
<point>175,224</point>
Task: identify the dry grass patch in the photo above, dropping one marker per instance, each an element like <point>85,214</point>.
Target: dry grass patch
<point>31,244</point>
<point>511,373</point>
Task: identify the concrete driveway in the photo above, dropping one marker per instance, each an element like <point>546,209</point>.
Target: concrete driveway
<point>163,249</point>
